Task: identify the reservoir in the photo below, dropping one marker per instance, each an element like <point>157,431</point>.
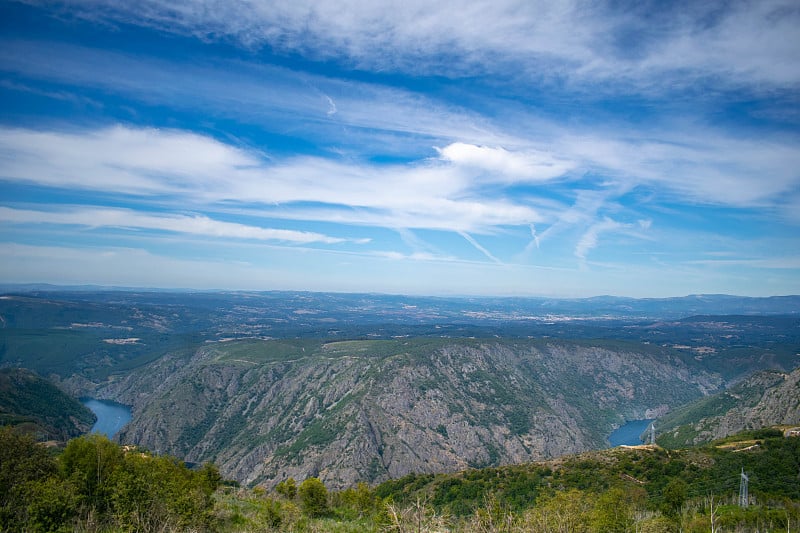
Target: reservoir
<point>111,416</point>
<point>629,433</point>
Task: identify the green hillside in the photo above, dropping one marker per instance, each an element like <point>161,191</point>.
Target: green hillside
<point>763,399</point>
<point>39,407</point>
<point>95,485</point>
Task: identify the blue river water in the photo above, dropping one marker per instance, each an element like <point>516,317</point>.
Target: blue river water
<point>111,416</point>
<point>628,434</point>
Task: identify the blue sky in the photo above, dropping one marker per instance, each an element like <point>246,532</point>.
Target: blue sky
<point>453,148</point>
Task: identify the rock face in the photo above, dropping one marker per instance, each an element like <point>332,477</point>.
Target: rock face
<point>370,410</point>
<point>764,399</point>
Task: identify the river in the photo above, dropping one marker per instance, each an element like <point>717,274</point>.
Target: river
<point>628,434</point>
<point>111,416</point>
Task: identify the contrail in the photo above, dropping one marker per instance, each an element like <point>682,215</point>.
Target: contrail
<point>480,248</point>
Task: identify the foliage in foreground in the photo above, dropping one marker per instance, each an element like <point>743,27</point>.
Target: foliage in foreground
<point>646,489</point>
<point>95,485</point>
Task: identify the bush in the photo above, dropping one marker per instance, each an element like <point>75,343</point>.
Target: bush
<point>313,497</point>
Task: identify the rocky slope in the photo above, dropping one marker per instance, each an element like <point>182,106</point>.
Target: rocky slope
<point>764,399</point>
<point>371,410</point>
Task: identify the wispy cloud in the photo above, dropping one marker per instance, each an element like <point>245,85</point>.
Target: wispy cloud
<point>374,114</point>
<point>187,167</point>
<point>741,42</point>
<point>689,159</point>
<point>591,136</point>
<point>93,217</point>
<point>790,262</point>
<point>703,166</point>
<point>591,237</point>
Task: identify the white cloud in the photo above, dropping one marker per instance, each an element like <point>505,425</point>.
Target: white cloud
<point>696,164</point>
<point>93,217</point>
<point>120,159</point>
<point>194,171</point>
<point>741,42</point>
<point>589,239</point>
<point>505,166</point>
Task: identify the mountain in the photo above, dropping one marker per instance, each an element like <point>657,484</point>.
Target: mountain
<point>767,398</point>
<point>367,387</point>
<point>39,407</point>
<point>369,410</point>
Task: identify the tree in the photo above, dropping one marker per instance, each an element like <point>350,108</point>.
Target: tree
<point>160,492</point>
<point>613,512</point>
<point>24,465</point>
<point>90,462</point>
<point>210,477</point>
<point>360,499</point>
<point>564,512</point>
<point>287,488</point>
<point>313,497</point>
<point>674,497</point>
<point>52,505</point>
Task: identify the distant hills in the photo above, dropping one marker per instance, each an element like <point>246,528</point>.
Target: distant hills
<point>372,308</point>
<point>97,334</point>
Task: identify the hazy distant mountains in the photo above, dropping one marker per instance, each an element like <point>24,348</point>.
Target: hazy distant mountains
<point>411,309</point>
<point>97,334</point>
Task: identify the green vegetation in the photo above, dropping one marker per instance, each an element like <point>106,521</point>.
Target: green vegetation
<point>95,485</point>
<point>313,497</point>
<point>699,420</point>
<point>259,351</point>
<point>86,351</point>
<point>39,407</point>
<point>622,490</point>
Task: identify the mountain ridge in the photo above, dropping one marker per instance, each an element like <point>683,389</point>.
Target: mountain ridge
<point>766,398</point>
<point>369,410</point>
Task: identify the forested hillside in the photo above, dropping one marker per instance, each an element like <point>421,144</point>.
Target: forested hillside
<point>38,407</point>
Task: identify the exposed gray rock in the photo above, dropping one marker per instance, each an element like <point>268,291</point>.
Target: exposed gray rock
<point>373,410</point>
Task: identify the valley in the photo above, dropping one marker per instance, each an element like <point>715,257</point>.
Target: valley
<point>366,388</point>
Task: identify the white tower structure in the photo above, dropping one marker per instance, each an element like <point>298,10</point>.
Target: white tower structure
<point>744,498</point>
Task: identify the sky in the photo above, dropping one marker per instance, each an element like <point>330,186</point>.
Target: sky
<point>503,147</point>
